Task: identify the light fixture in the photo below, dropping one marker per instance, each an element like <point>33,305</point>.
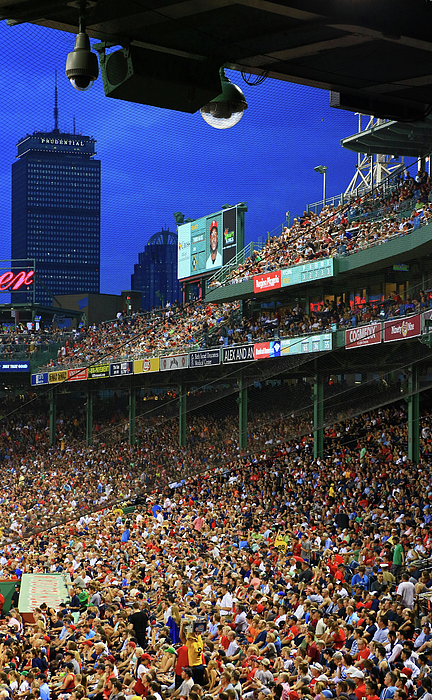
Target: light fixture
<point>225,110</point>
<point>322,170</point>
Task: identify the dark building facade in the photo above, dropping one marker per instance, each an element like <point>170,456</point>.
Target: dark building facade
<point>56,212</point>
<point>155,276</point>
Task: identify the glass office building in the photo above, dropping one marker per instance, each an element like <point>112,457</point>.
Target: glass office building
<point>56,184</point>
<point>155,276</point>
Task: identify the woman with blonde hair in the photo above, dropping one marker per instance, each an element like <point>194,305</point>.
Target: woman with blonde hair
<point>174,622</point>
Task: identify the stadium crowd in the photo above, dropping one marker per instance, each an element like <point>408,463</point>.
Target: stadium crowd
<point>272,574</point>
<point>341,230</point>
<point>202,325</point>
<point>336,230</point>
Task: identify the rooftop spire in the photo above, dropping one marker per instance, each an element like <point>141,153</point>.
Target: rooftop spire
<point>56,122</point>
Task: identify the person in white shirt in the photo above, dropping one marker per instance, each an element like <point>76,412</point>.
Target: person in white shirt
<point>226,602</point>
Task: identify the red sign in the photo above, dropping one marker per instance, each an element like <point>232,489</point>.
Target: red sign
<point>261,351</point>
<point>271,280</point>
<point>77,375</point>
<point>15,280</point>
<point>403,328</point>
<point>364,335</point>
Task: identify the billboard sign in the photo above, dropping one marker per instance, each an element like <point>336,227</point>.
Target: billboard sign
<point>402,328</point>
<point>39,379</point>
<point>151,364</point>
<point>364,335</point>
<point>237,353</point>
<point>204,358</point>
<point>208,243</point>
<point>267,281</point>
<point>271,348</point>
<point>120,369</point>
<point>98,371</point>
<point>77,375</point>
<point>172,362</point>
<point>57,377</point>
<point>8,366</point>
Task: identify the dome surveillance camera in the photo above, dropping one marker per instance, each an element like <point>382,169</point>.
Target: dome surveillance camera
<point>82,66</point>
<point>227,109</point>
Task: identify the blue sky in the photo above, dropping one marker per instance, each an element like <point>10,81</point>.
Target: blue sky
<point>156,162</point>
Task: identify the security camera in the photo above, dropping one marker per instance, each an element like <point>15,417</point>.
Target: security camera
<point>225,110</point>
<point>82,66</point>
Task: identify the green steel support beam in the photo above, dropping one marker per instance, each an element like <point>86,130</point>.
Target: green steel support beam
<point>132,411</point>
<point>89,418</point>
<point>318,416</point>
<point>182,416</point>
<point>243,413</point>
<point>413,416</point>
<point>52,417</point>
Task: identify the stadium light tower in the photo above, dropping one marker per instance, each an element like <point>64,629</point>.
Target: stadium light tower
<point>322,169</point>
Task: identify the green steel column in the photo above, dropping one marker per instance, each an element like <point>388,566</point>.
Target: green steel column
<point>89,418</point>
<point>182,416</point>
<point>52,417</point>
<point>413,416</point>
<point>243,413</point>
<point>132,407</point>
<point>318,416</point>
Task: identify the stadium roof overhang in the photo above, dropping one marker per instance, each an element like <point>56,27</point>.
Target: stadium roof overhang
<point>375,55</point>
<point>393,138</point>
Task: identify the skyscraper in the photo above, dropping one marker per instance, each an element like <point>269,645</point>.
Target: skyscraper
<point>156,273</point>
<point>56,211</point>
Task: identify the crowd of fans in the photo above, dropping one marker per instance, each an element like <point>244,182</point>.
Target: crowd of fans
<point>270,574</point>
<point>367,220</point>
<point>204,325</point>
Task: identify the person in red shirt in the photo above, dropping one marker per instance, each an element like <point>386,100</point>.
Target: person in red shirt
<point>363,652</point>
<point>371,690</point>
<point>337,636</point>
<point>182,662</point>
<point>358,677</point>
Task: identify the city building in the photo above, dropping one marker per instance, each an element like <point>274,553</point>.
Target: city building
<point>56,184</point>
<point>155,276</point>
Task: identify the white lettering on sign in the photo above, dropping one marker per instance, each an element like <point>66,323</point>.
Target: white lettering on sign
<point>62,142</point>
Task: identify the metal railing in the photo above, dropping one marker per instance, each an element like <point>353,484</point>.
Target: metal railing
<point>220,276</point>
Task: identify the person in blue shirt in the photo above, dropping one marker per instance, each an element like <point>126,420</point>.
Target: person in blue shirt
<point>44,691</point>
<point>360,579</point>
<point>389,688</point>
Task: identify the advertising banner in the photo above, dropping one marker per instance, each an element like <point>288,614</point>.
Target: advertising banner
<point>402,328</point>
<point>38,379</point>
<point>237,353</point>
<point>229,240</point>
<point>266,350</point>
<point>204,358</point>
<point>98,371</point>
<point>8,366</point>
<point>364,335</point>
<point>151,364</point>
<point>315,270</point>
<point>172,362</point>
<point>119,369</point>
<point>262,351</point>
<point>77,375</point>
<point>56,377</point>
<point>312,343</point>
<point>266,282</point>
